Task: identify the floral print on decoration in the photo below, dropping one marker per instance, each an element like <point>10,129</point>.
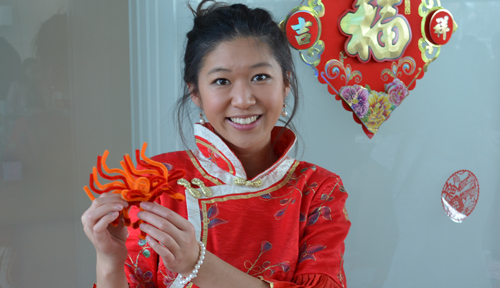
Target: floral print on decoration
<point>307,251</point>
<point>374,108</point>
<point>266,268</point>
<point>397,91</point>
<point>357,97</point>
<point>380,110</point>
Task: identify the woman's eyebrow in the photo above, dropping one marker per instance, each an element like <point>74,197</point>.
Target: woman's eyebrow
<point>261,64</point>
<point>220,69</point>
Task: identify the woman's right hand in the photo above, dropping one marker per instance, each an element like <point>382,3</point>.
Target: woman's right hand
<point>108,240</point>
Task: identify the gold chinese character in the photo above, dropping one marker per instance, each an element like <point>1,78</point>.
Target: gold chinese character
<point>301,28</point>
<point>441,27</point>
<point>303,39</point>
<point>378,29</point>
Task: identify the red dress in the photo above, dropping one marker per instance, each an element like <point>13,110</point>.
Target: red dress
<point>286,226</point>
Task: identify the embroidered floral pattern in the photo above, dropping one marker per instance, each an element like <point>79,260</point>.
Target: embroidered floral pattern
<point>212,213</point>
<point>307,251</point>
<point>289,199</point>
<point>143,280</point>
<point>266,268</point>
<point>340,276</point>
<point>322,210</point>
<point>168,278</point>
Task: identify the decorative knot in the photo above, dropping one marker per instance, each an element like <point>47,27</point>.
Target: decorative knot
<point>240,181</point>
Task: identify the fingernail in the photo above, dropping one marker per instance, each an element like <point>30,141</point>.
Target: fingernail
<point>119,207</point>
<point>146,205</point>
<point>141,226</point>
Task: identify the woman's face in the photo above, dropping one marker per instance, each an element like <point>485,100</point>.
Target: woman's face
<point>241,91</point>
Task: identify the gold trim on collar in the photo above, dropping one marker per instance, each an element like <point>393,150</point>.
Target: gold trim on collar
<point>201,170</point>
<point>229,164</point>
<point>204,203</point>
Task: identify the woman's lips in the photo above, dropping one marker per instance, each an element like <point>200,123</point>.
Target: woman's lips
<point>244,126</point>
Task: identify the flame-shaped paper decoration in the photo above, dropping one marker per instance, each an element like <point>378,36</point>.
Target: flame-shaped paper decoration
<point>135,186</point>
<point>369,52</point>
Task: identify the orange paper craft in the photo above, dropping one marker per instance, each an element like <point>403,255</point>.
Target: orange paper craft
<point>135,186</point>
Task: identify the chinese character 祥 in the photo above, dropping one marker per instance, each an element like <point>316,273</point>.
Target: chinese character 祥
<point>379,29</point>
<point>301,29</point>
<point>441,27</point>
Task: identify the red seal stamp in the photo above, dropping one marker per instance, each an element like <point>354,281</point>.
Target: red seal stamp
<point>460,195</point>
<point>302,28</point>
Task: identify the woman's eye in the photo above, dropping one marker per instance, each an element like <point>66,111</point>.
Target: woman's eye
<point>260,77</point>
<point>221,82</point>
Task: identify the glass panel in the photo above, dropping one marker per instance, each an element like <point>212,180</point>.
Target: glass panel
<point>64,99</point>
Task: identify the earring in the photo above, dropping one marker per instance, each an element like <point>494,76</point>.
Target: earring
<point>202,120</point>
<point>283,112</point>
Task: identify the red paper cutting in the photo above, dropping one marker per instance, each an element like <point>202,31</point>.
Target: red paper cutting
<point>460,195</point>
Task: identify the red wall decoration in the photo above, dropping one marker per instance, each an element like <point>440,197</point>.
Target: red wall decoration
<point>369,52</point>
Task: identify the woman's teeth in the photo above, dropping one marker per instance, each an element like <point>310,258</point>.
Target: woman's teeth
<point>244,121</point>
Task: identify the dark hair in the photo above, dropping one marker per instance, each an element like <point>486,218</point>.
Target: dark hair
<point>223,22</point>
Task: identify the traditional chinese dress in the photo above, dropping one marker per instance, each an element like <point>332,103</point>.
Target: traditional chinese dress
<point>286,226</point>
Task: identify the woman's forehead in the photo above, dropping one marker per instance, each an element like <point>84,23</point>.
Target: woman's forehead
<point>239,53</point>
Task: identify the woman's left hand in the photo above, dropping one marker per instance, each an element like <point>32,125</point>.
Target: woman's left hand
<point>180,249</point>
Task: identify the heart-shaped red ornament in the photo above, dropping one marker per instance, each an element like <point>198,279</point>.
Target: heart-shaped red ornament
<point>369,52</point>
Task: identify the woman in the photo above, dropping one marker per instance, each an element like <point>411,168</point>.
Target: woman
<point>266,219</point>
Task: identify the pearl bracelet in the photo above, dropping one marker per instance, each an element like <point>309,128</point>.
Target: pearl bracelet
<point>194,273</point>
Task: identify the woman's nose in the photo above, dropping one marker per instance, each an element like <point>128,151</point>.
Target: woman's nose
<point>241,95</point>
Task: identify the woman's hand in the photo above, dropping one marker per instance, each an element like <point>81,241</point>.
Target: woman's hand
<point>180,249</point>
<point>109,241</point>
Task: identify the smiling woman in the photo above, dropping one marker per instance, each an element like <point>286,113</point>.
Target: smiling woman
<point>243,99</point>
<point>262,218</point>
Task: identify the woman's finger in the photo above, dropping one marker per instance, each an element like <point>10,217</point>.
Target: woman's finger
<point>165,213</point>
<point>96,213</point>
<point>103,223</point>
<point>158,221</point>
<point>109,198</point>
<point>166,239</point>
<point>161,250</point>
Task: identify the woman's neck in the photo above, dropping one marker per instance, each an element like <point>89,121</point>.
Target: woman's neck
<point>257,160</point>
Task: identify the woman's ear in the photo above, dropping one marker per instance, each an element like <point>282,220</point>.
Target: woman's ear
<point>195,96</point>
<point>287,83</point>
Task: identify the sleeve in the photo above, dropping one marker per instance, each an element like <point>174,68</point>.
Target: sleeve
<point>305,281</point>
<point>321,251</point>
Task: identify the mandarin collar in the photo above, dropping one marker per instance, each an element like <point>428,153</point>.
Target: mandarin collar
<point>214,149</point>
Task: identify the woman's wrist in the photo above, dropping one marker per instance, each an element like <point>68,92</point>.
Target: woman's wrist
<point>197,266</point>
<point>107,268</point>
<point>110,276</point>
